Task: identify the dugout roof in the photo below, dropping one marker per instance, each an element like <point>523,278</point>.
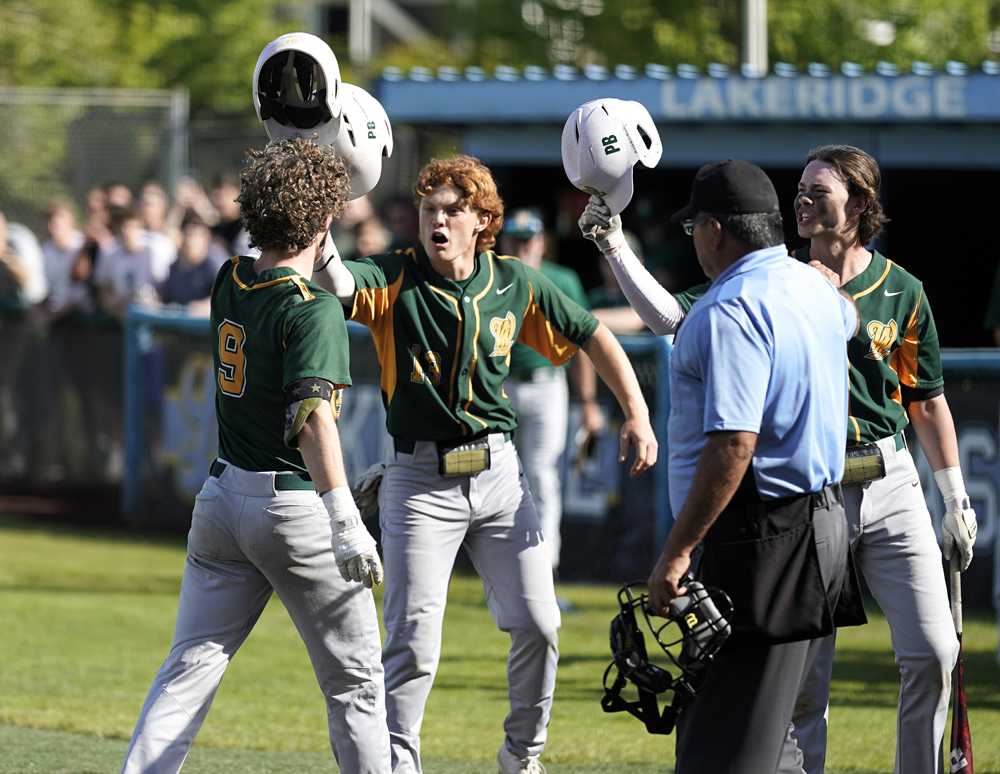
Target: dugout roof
<point>919,118</point>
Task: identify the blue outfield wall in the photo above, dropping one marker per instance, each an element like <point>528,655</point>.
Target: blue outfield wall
<point>168,385</point>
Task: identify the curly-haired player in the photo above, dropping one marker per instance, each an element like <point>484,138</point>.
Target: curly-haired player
<point>444,315</point>
<point>276,515</point>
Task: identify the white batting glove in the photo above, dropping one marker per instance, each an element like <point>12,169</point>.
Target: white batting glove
<point>959,526</point>
<point>365,490</point>
<point>601,227</point>
<point>353,547</point>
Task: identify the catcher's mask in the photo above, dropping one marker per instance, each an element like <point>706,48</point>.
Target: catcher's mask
<point>697,622</point>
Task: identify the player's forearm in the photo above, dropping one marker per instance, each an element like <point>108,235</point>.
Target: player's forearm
<point>319,444</point>
<point>723,463</point>
<point>615,370</point>
<point>654,304</point>
<point>584,378</point>
<point>935,430</point>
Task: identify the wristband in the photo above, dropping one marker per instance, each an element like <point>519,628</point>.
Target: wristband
<point>611,242</point>
<point>340,505</point>
<point>951,485</point>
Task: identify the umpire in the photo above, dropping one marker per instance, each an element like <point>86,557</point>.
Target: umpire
<point>758,389</point>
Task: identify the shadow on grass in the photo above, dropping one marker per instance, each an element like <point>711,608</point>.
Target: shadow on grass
<point>104,533</point>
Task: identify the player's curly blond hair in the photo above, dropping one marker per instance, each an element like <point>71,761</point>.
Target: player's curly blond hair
<point>287,191</point>
<point>474,179</point>
<point>860,172</point>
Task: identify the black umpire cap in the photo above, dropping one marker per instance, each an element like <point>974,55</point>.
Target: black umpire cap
<point>731,187</point>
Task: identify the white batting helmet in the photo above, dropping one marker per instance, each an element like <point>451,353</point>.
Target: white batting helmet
<point>296,88</point>
<point>601,142</point>
<point>365,138</point>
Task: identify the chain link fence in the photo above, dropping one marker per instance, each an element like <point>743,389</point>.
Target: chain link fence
<point>60,142</point>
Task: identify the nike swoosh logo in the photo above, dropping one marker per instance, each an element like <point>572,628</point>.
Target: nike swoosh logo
<point>501,291</point>
<point>890,295</point>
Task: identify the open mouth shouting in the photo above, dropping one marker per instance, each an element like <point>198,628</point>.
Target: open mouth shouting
<point>439,239</point>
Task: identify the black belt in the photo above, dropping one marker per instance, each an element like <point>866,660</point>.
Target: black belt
<point>827,497</point>
<point>284,480</point>
<point>406,446</point>
<point>533,374</point>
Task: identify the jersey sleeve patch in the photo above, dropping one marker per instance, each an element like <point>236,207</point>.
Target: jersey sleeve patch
<point>303,397</point>
<point>310,387</point>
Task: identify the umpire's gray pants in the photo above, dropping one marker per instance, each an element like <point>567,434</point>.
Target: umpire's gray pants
<point>542,407</point>
<point>425,518</point>
<point>246,540</point>
<point>740,721</point>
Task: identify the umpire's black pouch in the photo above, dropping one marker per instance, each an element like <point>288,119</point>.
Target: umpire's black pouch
<point>763,553</point>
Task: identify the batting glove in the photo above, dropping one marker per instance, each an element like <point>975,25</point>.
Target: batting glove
<point>601,227</point>
<point>959,526</point>
<point>365,490</point>
<point>353,547</point>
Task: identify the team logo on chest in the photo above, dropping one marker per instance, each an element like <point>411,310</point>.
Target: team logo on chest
<point>883,336</point>
<point>503,329</point>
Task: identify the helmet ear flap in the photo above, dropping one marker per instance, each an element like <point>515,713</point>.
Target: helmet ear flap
<point>364,139</point>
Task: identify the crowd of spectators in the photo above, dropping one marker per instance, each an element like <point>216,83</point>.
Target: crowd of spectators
<point>125,247</point>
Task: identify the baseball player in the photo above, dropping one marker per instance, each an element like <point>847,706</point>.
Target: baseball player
<point>276,513</point>
<point>539,393</point>
<point>444,315</point>
<point>895,379</point>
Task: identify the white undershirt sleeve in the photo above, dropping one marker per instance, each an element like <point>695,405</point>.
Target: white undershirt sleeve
<point>654,304</point>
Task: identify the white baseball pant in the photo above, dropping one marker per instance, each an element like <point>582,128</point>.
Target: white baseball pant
<point>897,553</point>
<point>425,519</point>
<point>246,540</point>
<point>542,407</point>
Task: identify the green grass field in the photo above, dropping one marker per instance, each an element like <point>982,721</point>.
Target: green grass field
<point>86,617</point>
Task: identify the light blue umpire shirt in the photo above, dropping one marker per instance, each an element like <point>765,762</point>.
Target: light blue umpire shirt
<point>765,351</point>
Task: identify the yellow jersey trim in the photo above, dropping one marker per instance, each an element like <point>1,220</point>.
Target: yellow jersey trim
<point>879,281</point>
<point>294,278</point>
<point>904,359</point>
<point>475,341</point>
<point>857,428</point>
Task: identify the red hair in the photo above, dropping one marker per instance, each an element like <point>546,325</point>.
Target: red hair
<point>476,184</point>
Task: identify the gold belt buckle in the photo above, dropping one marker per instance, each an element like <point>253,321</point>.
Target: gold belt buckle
<point>863,464</point>
<point>466,459</point>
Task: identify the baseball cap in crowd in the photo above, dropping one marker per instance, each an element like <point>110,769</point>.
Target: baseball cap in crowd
<point>523,223</point>
<point>730,187</point>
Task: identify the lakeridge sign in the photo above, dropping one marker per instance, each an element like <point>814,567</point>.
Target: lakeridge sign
<point>865,98</point>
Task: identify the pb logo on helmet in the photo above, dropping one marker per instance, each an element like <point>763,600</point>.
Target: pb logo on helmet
<point>601,142</point>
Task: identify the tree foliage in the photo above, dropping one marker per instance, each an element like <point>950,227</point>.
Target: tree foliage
<point>207,46</point>
<point>671,32</point>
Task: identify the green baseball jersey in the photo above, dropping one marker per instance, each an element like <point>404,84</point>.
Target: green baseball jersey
<point>444,347</point>
<point>524,358</point>
<point>686,298</point>
<point>894,358</point>
<point>268,331</point>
